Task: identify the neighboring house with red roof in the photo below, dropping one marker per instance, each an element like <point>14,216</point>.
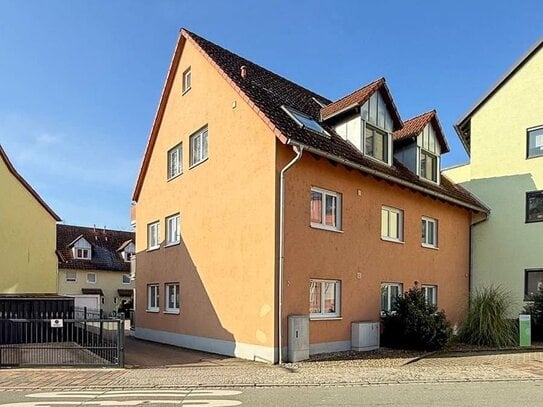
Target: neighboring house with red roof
<point>95,262</point>
<point>258,199</point>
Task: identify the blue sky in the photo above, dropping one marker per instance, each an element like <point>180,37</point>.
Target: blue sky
<point>80,81</point>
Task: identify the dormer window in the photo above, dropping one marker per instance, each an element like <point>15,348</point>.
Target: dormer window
<point>82,249</point>
<point>378,126</point>
<point>429,154</point>
<point>305,121</point>
<point>377,143</point>
<point>128,252</point>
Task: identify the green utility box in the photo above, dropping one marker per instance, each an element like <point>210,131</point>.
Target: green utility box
<point>525,330</point>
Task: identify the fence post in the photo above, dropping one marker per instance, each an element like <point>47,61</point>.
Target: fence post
<point>120,341</point>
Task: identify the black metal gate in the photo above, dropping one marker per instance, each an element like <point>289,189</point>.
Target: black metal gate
<point>77,338</point>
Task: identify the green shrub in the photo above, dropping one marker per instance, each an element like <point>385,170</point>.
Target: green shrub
<point>535,309</point>
<point>487,323</point>
<point>415,324</point>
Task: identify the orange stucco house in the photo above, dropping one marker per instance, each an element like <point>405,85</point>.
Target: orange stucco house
<point>258,199</point>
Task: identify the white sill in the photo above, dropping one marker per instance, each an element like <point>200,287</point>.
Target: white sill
<point>430,181</point>
<point>429,246</point>
<point>325,318</point>
<point>154,310</point>
<point>152,249</point>
<point>324,227</point>
<point>377,160</point>
<point>388,239</point>
<point>185,91</point>
<point>173,244</point>
<point>175,176</point>
<point>198,163</point>
<point>171,312</point>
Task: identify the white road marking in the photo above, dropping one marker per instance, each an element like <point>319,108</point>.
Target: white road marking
<point>135,397</point>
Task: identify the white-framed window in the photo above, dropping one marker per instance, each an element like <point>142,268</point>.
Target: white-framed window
<point>187,80</point>
<point>377,143</point>
<point>325,209</point>
<point>153,297</point>
<point>198,147</point>
<point>430,293</point>
<point>175,161</point>
<point>391,224</point>
<point>429,232</point>
<point>82,250</point>
<point>429,166</point>
<point>173,234</point>
<point>389,293</point>
<point>324,298</point>
<point>71,275</point>
<point>91,278</point>
<point>153,236</point>
<point>126,279</point>
<point>172,297</point>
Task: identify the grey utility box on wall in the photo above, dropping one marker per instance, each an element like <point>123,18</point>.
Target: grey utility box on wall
<point>298,337</point>
<point>365,335</point>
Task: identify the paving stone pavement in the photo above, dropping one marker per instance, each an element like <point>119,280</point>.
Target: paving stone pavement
<point>525,366</point>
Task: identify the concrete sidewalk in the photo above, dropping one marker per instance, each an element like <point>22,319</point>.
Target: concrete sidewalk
<point>517,366</point>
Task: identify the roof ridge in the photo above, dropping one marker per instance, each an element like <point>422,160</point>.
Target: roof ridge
<point>198,37</point>
<point>381,79</point>
<point>434,111</point>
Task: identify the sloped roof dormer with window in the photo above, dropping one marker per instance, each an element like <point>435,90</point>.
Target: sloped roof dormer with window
<point>307,112</point>
<point>419,145</point>
<point>85,248</point>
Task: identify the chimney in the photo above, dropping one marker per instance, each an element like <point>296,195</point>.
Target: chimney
<point>243,71</point>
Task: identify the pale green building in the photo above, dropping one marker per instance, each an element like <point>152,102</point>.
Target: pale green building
<point>503,135</point>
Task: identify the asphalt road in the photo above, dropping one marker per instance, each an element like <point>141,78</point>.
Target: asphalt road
<point>497,394</point>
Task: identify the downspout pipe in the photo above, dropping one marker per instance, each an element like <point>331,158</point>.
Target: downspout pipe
<point>298,150</point>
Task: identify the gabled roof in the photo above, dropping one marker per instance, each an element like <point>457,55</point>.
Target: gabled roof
<point>463,127</point>
<point>19,177</point>
<point>104,243</point>
<point>414,126</point>
<point>123,246</point>
<point>361,96</point>
<point>267,93</point>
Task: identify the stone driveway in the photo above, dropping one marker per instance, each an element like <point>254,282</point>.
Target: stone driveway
<point>161,366</point>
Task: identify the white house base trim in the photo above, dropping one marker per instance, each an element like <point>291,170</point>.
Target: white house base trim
<point>325,347</point>
<point>240,350</point>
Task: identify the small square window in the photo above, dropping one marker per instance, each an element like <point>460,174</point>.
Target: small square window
<point>535,142</point>
<point>126,279</point>
<point>153,297</point>
<point>172,297</point>
<point>429,232</point>
<point>71,275</point>
<point>390,292</point>
<point>91,278</point>
<point>153,236</point>
<point>325,209</point>
<point>324,298</point>
<point>173,235</point>
<point>175,161</point>
<point>391,224</point>
<point>430,294</point>
<point>187,80</point>
<point>534,206</point>
<point>198,147</point>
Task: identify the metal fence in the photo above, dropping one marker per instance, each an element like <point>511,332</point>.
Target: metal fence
<point>80,337</point>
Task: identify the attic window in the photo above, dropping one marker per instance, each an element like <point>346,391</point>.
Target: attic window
<point>82,250</point>
<point>306,122</point>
